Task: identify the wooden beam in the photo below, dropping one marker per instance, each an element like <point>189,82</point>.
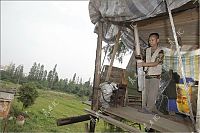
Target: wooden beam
<point>113,56</point>
<point>71,120</point>
<point>96,82</point>
<point>97,68</point>
<point>113,121</point>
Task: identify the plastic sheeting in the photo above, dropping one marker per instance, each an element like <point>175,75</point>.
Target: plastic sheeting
<point>114,11</point>
<point>172,95</point>
<point>191,63</point>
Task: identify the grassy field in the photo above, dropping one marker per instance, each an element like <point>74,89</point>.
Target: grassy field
<point>59,105</point>
<point>8,85</point>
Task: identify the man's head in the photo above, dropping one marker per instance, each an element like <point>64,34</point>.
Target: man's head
<point>153,39</point>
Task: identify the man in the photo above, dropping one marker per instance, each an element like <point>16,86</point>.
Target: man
<point>153,69</point>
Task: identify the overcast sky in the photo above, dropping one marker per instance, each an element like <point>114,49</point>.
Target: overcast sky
<point>49,32</point>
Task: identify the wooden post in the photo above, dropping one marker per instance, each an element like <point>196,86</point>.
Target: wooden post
<point>86,128</point>
<point>137,42</point>
<point>96,82</point>
<point>140,72</point>
<point>113,56</point>
<point>198,109</point>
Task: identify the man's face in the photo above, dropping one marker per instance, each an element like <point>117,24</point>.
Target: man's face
<point>153,41</point>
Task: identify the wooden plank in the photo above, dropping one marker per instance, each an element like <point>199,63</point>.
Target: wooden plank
<point>10,90</point>
<point>113,121</point>
<point>159,123</point>
<point>4,109</point>
<point>97,68</point>
<point>179,18</point>
<point>187,22</point>
<point>6,96</point>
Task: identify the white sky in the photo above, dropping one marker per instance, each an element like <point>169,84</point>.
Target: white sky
<point>49,33</point>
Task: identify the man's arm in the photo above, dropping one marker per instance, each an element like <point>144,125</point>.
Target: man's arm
<point>159,60</point>
<point>149,64</point>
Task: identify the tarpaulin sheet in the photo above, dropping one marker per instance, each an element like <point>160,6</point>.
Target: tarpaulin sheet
<point>110,11</point>
<point>191,63</point>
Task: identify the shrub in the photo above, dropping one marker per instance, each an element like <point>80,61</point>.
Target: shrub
<point>27,94</point>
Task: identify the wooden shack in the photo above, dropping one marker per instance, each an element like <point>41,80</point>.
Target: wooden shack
<point>175,20</point>
<point>6,98</point>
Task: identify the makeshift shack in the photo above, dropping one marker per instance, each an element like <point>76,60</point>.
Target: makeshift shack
<point>6,97</point>
<point>177,22</point>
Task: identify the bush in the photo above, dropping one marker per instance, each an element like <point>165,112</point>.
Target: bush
<point>28,94</point>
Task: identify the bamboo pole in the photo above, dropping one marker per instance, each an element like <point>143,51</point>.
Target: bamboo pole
<point>113,56</point>
<point>96,82</point>
<point>180,62</point>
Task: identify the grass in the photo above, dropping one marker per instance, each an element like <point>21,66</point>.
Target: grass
<point>59,105</point>
<point>8,85</point>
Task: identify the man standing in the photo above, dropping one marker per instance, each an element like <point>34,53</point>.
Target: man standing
<point>153,68</point>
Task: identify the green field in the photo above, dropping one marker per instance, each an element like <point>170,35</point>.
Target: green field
<point>59,105</point>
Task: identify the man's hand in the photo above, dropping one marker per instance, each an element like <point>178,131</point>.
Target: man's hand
<point>141,64</point>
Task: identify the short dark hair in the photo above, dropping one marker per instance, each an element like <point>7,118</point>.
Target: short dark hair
<point>154,34</point>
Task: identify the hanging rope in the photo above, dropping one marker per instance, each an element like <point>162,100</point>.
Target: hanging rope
<point>180,63</point>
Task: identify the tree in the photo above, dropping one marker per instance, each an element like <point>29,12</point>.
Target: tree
<point>41,73</point>
<point>37,72</point>
<point>4,75</point>
<point>74,78</point>
<point>56,78</point>
<point>32,72</point>
<point>50,78</point>
<point>121,51</point>
<point>53,77</point>
<point>21,74</point>
<point>18,74</point>
<point>27,94</point>
<point>44,75</point>
<point>10,69</point>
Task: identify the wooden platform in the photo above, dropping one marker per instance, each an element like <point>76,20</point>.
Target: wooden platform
<point>154,121</point>
<point>113,121</point>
